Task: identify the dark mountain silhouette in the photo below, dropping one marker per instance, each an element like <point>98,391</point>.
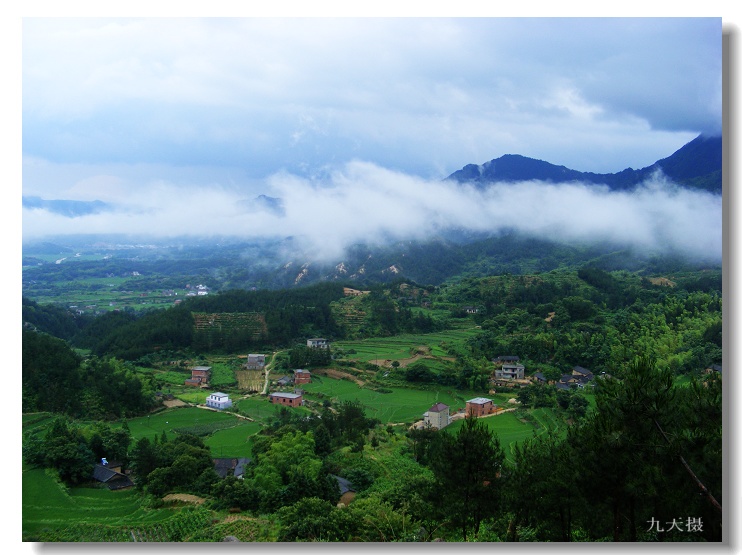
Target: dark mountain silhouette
<point>696,165</point>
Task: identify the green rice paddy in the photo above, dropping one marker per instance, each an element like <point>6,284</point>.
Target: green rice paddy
<point>509,429</point>
<point>403,346</point>
<point>49,504</point>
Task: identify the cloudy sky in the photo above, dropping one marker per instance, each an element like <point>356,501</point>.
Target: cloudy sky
<point>171,118</point>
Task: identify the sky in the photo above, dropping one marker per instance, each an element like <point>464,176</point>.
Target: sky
<point>353,122</point>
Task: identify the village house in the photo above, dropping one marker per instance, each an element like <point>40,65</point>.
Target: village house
<point>573,381</point>
<point>199,376</point>
<point>538,377</point>
<point>285,380</point>
<point>347,491</point>
<point>712,369</point>
<point>110,474</point>
<point>286,399</point>
<point>499,361</point>
<point>510,371</point>
<point>438,416</point>
<point>318,342</point>
<point>302,376</point>
<point>218,401</point>
<point>480,406</point>
<point>584,372</point>
<point>255,362</point>
<point>231,466</point>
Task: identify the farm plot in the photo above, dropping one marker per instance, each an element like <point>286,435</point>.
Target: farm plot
<point>32,421</point>
<point>234,441</point>
<point>402,347</point>
<point>509,429</point>
<point>250,380</point>
<point>170,420</point>
<point>49,505</point>
<point>401,405</point>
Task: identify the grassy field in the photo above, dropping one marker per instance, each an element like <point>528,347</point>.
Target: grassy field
<point>234,441</point>
<point>404,346</point>
<point>172,419</point>
<point>101,293</point>
<point>508,427</point>
<point>401,405</point>
<point>48,504</point>
<point>259,408</point>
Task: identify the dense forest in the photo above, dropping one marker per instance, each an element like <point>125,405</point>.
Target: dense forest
<point>556,319</point>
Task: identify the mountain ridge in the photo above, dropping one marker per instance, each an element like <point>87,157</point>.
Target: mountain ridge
<point>697,165</point>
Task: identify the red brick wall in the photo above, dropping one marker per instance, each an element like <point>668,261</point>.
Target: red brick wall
<point>479,410</point>
<point>286,402</point>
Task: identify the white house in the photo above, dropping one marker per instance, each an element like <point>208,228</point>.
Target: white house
<point>318,342</point>
<point>218,401</point>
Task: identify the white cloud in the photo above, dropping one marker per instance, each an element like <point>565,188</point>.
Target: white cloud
<point>362,202</point>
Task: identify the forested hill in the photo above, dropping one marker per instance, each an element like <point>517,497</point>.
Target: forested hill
<point>697,164</point>
<point>557,319</point>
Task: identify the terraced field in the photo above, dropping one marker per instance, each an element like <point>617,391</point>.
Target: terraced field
<point>382,349</point>
<point>47,504</point>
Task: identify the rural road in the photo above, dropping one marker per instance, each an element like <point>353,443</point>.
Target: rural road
<point>268,371</point>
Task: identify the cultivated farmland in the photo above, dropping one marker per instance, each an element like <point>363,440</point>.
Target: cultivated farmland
<point>383,350</point>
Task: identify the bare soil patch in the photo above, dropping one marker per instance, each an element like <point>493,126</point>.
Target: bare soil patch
<point>184,497</point>
<point>662,281</point>
<point>175,403</point>
<point>332,373</point>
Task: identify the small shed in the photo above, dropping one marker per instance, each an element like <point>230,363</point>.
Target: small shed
<point>347,490</point>
<point>111,478</point>
<point>231,466</point>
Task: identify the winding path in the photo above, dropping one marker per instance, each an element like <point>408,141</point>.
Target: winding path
<point>268,371</point>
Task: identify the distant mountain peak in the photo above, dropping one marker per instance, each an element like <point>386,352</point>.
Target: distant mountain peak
<point>69,208</point>
<point>698,164</point>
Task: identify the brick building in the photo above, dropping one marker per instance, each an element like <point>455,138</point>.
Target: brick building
<point>286,399</point>
<point>480,406</point>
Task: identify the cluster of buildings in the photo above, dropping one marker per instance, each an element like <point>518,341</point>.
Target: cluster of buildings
<point>200,376</point>
<point>439,415</point>
<point>510,372</point>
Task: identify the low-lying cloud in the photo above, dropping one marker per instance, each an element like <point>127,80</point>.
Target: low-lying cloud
<point>364,203</point>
